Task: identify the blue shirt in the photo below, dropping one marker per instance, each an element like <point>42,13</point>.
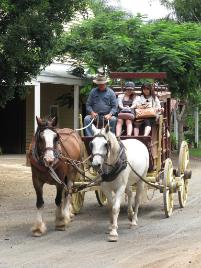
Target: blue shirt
<point>102,102</point>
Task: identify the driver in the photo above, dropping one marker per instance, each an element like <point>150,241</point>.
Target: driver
<point>102,103</point>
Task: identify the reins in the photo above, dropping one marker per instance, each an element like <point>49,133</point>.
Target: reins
<point>77,129</point>
<point>159,187</point>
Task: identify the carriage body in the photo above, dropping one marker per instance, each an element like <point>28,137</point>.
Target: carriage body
<point>161,172</point>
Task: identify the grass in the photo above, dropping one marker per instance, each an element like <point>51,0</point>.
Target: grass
<point>195,152</point>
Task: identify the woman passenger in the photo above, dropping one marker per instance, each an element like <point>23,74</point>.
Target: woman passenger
<point>126,100</point>
<point>147,99</point>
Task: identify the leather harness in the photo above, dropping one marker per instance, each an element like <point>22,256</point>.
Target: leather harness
<point>120,165</point>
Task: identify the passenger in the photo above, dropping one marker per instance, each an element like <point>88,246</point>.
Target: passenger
<point>126,100</point>
<point>147,99</point>
<point>101,103</point>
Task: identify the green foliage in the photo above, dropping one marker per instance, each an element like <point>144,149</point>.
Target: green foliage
<point>106,40</point>
<point>29,31</point>
<point>185,10</point>
<point>189,129</point>
<point>123,43</point>
<point>176,49</point>
<point>100,6</point>
<point>173,141</point>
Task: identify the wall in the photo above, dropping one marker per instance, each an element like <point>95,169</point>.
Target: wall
<point>49,94</point>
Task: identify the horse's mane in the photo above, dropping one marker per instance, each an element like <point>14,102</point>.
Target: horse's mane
<point>113,139</point>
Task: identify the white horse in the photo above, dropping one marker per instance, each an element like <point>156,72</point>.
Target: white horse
<point>107,157</point>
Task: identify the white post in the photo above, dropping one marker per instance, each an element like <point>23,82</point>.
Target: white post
<point>36,104</point>
<point>176,127</point>
<point>76,106</point>
<point>196,112</point>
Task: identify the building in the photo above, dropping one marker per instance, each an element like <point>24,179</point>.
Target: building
<point>18,122</point>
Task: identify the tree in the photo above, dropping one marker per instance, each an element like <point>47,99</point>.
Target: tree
<point>121,42</point>
<point>185,10</point>
<point>106,40</point>
<point>29,31</point>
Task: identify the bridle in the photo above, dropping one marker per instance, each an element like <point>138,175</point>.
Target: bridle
<point>39,155</point>
<point>108,146</point>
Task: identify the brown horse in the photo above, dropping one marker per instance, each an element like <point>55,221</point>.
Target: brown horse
<point>48,152</point>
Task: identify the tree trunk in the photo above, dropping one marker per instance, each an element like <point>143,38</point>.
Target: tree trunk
<point>180,120</point>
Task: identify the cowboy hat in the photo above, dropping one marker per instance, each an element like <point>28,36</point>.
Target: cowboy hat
<point>100,79</point>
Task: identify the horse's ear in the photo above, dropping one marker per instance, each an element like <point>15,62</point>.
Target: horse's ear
<point>54,121</point>
<point>94,129</point>
<point>107,128</point>
<point>38,120</point>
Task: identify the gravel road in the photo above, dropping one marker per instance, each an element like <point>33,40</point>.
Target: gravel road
<point>155,242</point>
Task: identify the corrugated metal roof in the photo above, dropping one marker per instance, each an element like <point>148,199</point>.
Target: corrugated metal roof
<point>57,73</point>
<point>58,70</point>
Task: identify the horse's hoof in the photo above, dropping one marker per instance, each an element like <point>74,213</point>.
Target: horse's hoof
<point>36,233</point>
<point>112,238</point>
<point>39,230</point>
<point>132,224</point>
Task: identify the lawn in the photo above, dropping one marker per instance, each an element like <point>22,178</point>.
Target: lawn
<point>196,152</point>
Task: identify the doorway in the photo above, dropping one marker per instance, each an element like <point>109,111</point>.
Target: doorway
<point>13,127</point>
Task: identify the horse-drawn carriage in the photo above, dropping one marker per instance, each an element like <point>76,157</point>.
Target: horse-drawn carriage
<point>161,174</point>
<point>63,157</point>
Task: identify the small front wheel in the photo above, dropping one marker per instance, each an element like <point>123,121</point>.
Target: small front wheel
<point>101,198</point>
<point>77,201</point>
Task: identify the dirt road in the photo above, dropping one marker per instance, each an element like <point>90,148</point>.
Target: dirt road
<point>155,242</point>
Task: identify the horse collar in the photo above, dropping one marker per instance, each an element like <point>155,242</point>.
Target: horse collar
<point>120,165</point>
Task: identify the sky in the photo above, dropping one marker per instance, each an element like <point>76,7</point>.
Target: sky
<point>153,9</point>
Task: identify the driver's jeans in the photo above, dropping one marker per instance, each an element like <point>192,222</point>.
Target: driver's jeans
<point>89,132</point>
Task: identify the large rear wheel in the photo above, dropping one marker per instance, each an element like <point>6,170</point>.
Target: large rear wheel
<point>184,165</point>
<point>167,184</point>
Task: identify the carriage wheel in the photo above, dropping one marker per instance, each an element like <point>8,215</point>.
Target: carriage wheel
<point>184,164</point>
<point>101,198</point>
<point>78,198</point>
<point>167,183</point>
<point>77,201</point>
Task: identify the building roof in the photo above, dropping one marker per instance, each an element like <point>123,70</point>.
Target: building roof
<point>57,73</point>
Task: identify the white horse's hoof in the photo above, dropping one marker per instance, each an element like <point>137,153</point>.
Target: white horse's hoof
<point>133,224</point>
<point>39,229</point>
<point>112,238</point>
<point>60,224</point>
